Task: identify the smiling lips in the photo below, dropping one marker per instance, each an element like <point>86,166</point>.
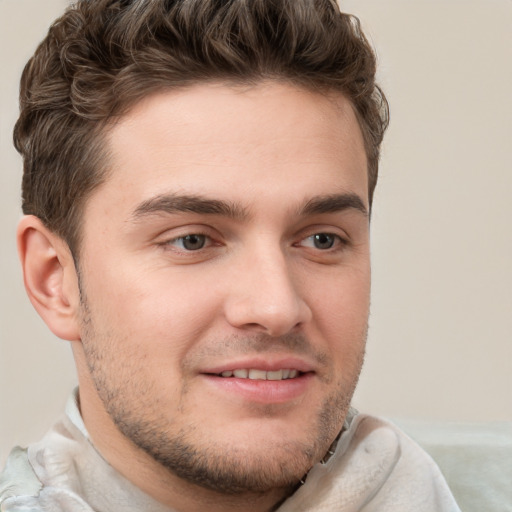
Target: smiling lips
<point>254,374</point>
<point>263,382</point>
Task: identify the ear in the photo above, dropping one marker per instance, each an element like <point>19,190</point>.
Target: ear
<point>50,277</point>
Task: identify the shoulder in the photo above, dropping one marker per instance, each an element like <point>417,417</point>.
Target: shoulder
<point>27,483</point>
<point>18,478</point>
<point>376,468</point>
<point>408,477</point>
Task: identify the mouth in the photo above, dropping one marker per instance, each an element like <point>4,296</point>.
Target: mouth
<point>257,374</point>
<point>264,383</point>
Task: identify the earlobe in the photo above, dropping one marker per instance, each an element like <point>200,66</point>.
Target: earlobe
<point>50,277</point>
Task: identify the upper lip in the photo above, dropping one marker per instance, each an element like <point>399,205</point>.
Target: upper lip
<point>262,363</point>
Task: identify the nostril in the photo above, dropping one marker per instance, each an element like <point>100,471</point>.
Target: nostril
<point>253,327</point>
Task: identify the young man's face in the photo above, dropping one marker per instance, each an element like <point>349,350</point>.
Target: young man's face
<point>225,281</point>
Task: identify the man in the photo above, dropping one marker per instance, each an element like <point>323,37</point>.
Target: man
<point>198,180</point>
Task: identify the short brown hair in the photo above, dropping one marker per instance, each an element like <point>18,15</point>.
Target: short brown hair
<point>102,56</point>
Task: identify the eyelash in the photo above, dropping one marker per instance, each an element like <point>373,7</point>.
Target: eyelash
<point>190,236</point>
<point>336,242</point>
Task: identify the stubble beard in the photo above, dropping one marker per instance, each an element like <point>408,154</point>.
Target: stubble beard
<point>226,469</point>
<point>229,470</point>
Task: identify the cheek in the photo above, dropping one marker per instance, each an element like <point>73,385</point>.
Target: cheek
<point>164,311</point>
<point>341,320</point>
<point>343,301</point>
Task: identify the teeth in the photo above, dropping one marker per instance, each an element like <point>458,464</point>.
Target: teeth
<point>254,374</point>
<point>257,375</point>
<point>275,375</point>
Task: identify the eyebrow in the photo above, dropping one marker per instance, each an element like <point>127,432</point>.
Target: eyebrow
<point>334,203</point>
<point>174,203</point>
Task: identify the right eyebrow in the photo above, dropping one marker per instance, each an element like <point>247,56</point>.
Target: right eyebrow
<point>175,203</point>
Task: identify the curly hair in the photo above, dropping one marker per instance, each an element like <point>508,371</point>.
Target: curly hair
<point>103,56</point>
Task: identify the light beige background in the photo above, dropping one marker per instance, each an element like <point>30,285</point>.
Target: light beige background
<point>440,331</point>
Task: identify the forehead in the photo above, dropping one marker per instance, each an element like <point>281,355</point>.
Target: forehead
<point>225,141</point>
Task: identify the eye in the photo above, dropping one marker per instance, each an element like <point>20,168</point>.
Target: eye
<point>193,242</point>
<point>322,241</point>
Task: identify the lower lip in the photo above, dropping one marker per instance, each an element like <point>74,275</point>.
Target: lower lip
<point>263,391</point>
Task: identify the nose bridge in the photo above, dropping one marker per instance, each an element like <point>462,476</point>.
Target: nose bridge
<point>265,295</point>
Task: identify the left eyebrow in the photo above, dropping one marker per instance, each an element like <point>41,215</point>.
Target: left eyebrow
<point>334,203</point>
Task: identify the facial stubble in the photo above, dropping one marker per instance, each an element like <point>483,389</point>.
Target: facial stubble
<point>185,452</point>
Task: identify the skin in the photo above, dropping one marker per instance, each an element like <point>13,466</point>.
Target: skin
<point>270,184</point>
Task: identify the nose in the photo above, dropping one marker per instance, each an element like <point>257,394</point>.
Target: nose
<point>264,297</point>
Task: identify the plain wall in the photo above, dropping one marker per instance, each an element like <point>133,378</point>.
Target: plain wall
<point>440,329</point>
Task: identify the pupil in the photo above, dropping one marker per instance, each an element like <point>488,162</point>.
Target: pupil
<point>324,241</point>
<point>194,242</point>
